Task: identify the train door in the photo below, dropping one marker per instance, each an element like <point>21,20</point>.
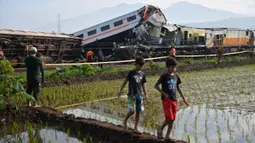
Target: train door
<point>186,34</point>
<point>219,39</point>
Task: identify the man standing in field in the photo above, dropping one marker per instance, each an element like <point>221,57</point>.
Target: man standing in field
<point>170,82</point>
<point>34,66</point>
<point>39,55</point>
<point>137,80</point>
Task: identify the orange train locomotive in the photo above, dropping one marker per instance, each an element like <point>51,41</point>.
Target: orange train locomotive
<point>230,38</point>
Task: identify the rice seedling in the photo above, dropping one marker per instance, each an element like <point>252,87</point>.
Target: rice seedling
<point>56,135</point>
<point>188,138</point>
<point>85,140</point>
<point>249,141</point>
<point>90,138</point>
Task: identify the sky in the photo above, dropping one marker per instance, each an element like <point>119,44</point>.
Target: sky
<point>27,14</point>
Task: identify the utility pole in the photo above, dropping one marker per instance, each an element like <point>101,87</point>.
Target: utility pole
<point>59,28</point>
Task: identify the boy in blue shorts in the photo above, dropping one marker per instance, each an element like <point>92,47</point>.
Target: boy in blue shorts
<point>137,80</point>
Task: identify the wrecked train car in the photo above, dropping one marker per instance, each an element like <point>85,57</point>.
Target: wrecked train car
<point>127,35</point>
<point>55,46</point>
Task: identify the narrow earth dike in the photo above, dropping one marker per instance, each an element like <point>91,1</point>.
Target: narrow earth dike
<point>99,131</point>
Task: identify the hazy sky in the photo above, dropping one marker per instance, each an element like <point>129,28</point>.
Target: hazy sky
<point>26,14</point>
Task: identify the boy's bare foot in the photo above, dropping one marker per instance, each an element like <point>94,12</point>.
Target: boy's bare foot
<point>159,133</point>
<point>137,131</point>
<point>36,105</point>
<point>29,104</point>
<point>170,140</point>
<point>125,125</point>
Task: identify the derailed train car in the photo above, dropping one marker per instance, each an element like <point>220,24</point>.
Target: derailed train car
<point>55,46</point>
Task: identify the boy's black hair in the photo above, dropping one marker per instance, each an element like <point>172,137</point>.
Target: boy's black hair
<point>139,60</point>
<point>170,62</point>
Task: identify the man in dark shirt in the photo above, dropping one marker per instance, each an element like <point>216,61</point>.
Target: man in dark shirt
<point>170,82</point>
<point>136,85</point>
<point>39,55</point>
<point>34,66</point>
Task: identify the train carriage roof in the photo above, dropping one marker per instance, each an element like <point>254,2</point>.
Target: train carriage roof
<point>36,33</point>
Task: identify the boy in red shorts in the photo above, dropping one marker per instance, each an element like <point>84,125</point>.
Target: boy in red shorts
<point>170,82</point>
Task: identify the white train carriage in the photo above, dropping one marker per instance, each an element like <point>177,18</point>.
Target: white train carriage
<point>122,23</point>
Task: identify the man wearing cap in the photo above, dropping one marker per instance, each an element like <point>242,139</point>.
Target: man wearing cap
<point>34,66</point>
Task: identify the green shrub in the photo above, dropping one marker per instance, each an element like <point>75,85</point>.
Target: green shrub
<point>11,91</point>
<point>5,66</point>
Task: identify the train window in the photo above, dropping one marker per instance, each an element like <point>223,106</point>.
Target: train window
<point>247,33</point>
<point>92,32</point>
<point>80,36</point>
<point>118,23</point>
<point>105,28</point>
<point>225,35</point>
<point>131,18</point>
<point>162,30</point>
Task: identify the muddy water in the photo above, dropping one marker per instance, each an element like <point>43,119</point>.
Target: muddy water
<point>49,135</point>
<point>198,123</point>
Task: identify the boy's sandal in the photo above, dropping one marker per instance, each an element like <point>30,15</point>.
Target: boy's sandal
<point>125,126</point>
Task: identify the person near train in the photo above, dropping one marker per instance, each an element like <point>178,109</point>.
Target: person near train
<point>100,57</point>
<point>172,52</point>
<point>170,83</point>
<point>83,55</point>
<point>90,56</point>
<point>34,66</point>
<point>136,86</point>
<point>1,53</point>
